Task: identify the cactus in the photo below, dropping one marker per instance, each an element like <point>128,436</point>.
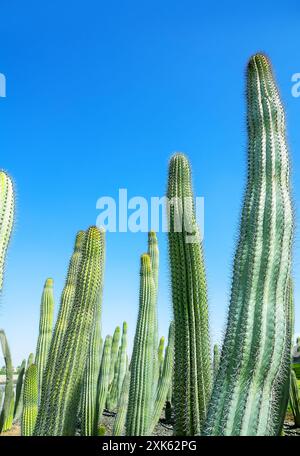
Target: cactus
<point>57,416</point>
<point>216,361</point>
<point>161,347</point>
<point>6,416</point>
<point>30,401</point>
<point>89,416</point>
<point>193,371</point>
<point>19,392</point>
<point>249,392</point>
<point>120,369</point>
<point>66,303</point>
<point>139,412</point>
<point>30,360</point>
<point>165,380</point>
<point>45,330</point>
<point>295,398</point>
<point>7,213</point>
<point>114,353</point>
<point>119,423</point>
<point>103,380</point>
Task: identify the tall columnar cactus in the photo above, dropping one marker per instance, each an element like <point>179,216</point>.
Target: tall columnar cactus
<point>140,406</point>
<point>114,353</point>
<point>161,348</point>
<point>66,303</point>
<point>103,380</point>
<point>216,361</point>
<point>120,369</point>
<point>193,372</point>
<point>57,416</point>
<point>119,423</point>
<point>249,393</point>
<point>165,380</point>
<point>7,412</point>
<point>153,252</point>
<point>19,392</point>
<point>295,398</point>
<point>45,330</point>
<point>30,401</point>
<point>89,418</point>
<point>7,213</point>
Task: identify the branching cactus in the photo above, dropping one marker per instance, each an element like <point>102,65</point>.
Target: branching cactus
<point>7,213</point>
<point>193,370</point>
<point>7,412</point>
<point>249,393</point>
<point>30,401</point>
<point>45,330</point>
<point>165,380</point>
<point>140,406</point>
<point>57,416</point>
<point>66,303</point>
<point>103,380</point>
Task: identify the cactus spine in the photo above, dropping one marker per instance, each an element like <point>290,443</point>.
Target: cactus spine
<point>249,390</point>
<point>45,330</point>
<point>58,415</point>
<point>7,212</point>
<point>139,412</point>
<point>193,372</point>
<point>6,416</point>
<point>30,400</point>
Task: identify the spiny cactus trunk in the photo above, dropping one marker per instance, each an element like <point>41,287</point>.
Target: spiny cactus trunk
<point>19,392</point>
<point>45,330</point>
<point>295,398</point>
<point>57,416</point>
<point>216,361</point>
<point>119,423</point>
<point>249,393</point>
<point>139,413</point>
<point>103,380</point>
<point>193,372</point>
<point>30,401</point>
<point>7,413</point>
<point>7,213</point>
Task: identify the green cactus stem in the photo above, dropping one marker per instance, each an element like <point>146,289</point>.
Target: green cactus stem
<point>119,423</point>
<point>103,380</point>
<point>30,401</point>
<point>19,392</point>
<point>249,395</point>
<point>216,361</point>
<point>193,370</point>
<point>7,213</point>
<point>295,398</point>
<point>7,412</point>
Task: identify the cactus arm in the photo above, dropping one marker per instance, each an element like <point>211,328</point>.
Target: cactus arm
<point>189,296</point>
<point>7,213</point>
<point>254,360</point>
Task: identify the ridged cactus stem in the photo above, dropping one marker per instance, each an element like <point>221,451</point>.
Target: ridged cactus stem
<point>161,348</point>
<point>30,401</point>
<point>89,416</point>
<point>19,392</point>
<point>66,303</point>
<point>249,393</point>
<point>58,415</point>
<point>165,380</point>
<point>45,330</point>
<point>193,370</point>
<point>7,213</point>
<point>7,412</point>
<point>119,423</point>
<point>295,398</point>
<point>140,406</point>
<point>114,353</point>
<point>103,380</point>
<point>153,252</point>
<point>216,361</point>
<point>123,358</point>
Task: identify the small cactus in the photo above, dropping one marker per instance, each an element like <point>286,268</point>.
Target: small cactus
<point>30,401</point>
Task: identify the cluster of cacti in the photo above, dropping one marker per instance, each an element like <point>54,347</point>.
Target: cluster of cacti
<point>7,213</point>
<point>243,391</point>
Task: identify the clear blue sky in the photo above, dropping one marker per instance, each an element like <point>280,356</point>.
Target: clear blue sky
<point>99,95</point>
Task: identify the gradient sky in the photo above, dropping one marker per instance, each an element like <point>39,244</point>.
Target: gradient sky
<point>99,95</point>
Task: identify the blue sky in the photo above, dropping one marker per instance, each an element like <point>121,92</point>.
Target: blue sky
<point>99,95</point>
